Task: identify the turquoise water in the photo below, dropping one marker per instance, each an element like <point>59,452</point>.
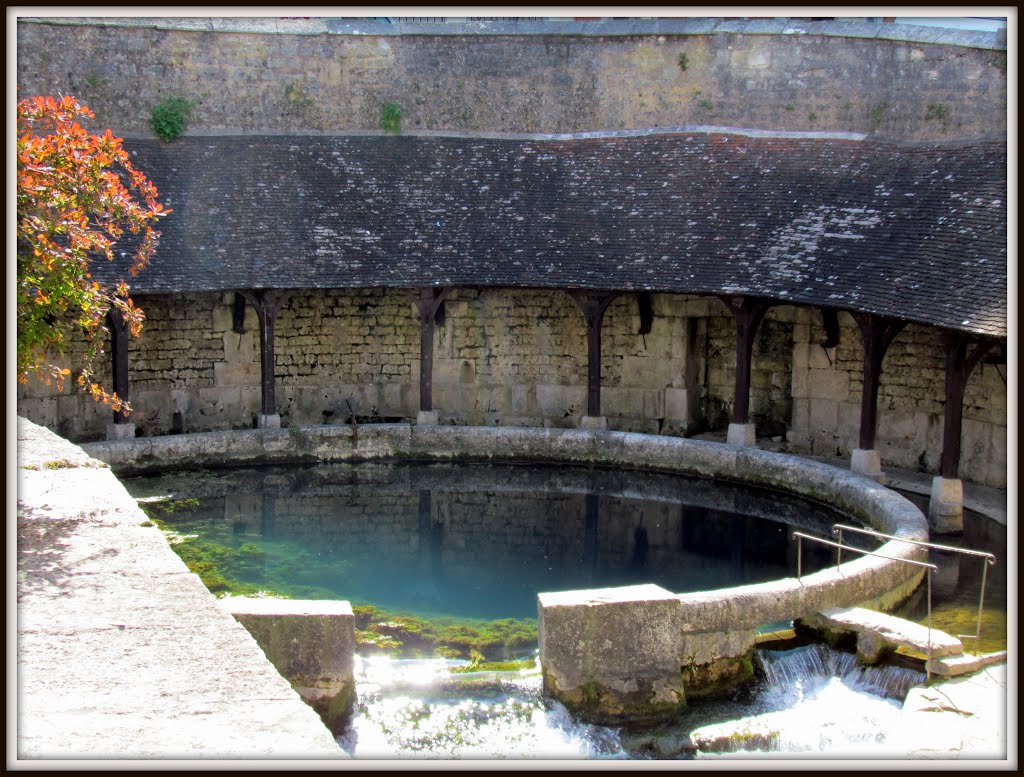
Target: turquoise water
<point>481,540</point>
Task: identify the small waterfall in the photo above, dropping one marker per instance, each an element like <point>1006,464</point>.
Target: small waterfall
<point>792,670</point>
<point>414,708</point>
<point>814,699</point>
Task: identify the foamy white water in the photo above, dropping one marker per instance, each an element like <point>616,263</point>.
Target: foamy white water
<point>815,702</point>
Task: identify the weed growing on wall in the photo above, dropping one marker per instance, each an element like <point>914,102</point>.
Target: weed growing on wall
<point>170,118</point>
<point>298,96</point>
<point>878,113</point>
<point>391,118</point>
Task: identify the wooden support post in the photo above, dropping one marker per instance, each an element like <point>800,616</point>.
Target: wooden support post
<point>877,332</point>
<point>428,303</point>
<point>748,312</point>
<point>959,366</point>
<point>267,303</point>
<point>238,314</point>
<point>119,359</point>
<point>593,304</point>
<point>830,320</point>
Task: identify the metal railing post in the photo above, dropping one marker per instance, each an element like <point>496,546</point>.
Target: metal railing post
<point>930,570</point>
<point>989,559</point>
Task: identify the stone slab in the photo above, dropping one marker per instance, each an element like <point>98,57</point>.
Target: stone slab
<point>122,652</point>
<point>311,643</point>
<point>959,718</point>
<point>954,666</point>
<point>894,631</point>
<point>611,655</point>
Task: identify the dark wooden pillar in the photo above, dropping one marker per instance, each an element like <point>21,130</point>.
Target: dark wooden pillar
<point>748,312</point>
<point>238,314</point>
<point>267,303</point>
<point>877,333</point>
<point>593,304</point>
<point>119,360</point>
<point>959,366</point>
<point>429,304</point>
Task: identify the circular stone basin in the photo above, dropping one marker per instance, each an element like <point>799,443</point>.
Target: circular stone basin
<point>867,580</point>
<point>476,540</point>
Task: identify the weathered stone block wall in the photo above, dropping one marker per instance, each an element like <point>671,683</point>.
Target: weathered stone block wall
<point>827,386</point>
<point>338,348</point>
<point>770,390</point>
<point>250,82</point>
<point>518,357</point>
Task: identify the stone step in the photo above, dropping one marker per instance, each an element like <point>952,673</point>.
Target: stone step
<point>877,632</point>
<point>954,666</point>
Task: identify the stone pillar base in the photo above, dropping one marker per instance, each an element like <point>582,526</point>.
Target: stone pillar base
<point>946,507</point>
<point>269,421</point>
<point>427,418</point>
<point>742,435</point>
<point>120,431</point>
<point>594,423</point>
<point>868,462</point>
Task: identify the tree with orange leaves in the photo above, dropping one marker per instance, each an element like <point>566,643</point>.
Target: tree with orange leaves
<point>76,198</point>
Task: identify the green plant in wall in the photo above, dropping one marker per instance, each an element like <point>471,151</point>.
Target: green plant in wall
<point>705,105</point>
<point>936,111</point>
<point>170,118</point>
<point>298,96</point>
<point>684,61</point>
<point>391,118</point>
<point>878,113</point>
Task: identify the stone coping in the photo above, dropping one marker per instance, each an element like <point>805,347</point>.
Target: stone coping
<point>864,580</point>
<point>392,27</point>
<point>122,652</point>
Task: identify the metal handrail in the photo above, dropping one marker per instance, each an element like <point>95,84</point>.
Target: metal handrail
<point>990,560</point>
<point>800,536</point>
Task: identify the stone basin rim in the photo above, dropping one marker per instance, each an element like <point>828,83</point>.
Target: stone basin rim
<point>857,581</point>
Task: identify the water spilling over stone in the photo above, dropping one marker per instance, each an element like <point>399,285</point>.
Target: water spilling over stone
<point>812,701</point>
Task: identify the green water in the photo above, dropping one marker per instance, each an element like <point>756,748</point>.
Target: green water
<point>957,585</point>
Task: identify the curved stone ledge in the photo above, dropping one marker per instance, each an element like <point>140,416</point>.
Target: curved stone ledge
<point>711,632</point>
<point>856,582</point>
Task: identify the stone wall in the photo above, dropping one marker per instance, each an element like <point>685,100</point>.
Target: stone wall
<point>518,358</point>
<point>253,83</point>
<point>826,398</point>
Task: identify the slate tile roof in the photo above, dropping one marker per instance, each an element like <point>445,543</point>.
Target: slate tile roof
<point>913,231</point>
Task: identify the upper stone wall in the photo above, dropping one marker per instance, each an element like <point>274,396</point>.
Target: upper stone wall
<point>335,81</point>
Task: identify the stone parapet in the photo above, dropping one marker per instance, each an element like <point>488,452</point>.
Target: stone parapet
<point>311,643</point>
<point>611,655</point>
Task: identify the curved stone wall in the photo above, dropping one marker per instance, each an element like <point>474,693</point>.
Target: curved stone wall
<point>671,647</point>
<point>860,581</point>
<point>518,358</point>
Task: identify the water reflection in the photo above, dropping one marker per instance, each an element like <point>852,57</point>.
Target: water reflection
<point>480,540</point>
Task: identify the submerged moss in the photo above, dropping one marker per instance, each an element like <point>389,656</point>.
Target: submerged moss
<point>233,566</point>
<point>447,636</point>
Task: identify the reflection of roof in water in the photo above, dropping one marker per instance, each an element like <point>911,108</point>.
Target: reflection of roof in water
<point>914,231</point>
<point>369,480</point>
